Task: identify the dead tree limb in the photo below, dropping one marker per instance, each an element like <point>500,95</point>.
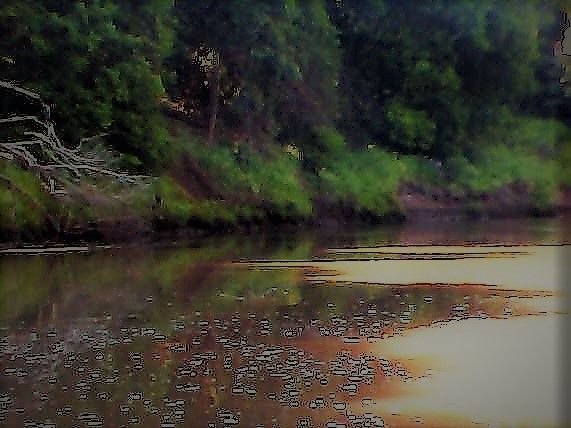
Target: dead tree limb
<point>42,151</point>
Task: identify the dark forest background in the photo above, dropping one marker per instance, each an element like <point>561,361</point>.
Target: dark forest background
<point>281,109</point>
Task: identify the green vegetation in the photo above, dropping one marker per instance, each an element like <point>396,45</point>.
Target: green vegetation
<point>499,166</point>
<point>285,111</point>
<point>365,181</point>
<point>564,162</point>
<point>522,154</point>
<point>23,203</point>
<point>244,176</point>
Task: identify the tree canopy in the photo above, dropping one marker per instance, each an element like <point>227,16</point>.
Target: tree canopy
<point>411,76</point>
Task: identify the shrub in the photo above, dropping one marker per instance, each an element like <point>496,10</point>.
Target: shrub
<point>270,182</point>
<point>365,180</point>
<point>498,166</point>
<point>23,202</point>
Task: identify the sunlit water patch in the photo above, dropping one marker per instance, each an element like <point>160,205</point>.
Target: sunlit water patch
<point>514,268</point>
<point>490,371</point>
<point>496,358</point>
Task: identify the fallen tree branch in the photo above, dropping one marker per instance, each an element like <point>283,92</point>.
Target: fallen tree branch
<point>50,155</point>
<point>26,92</point>
<point>29,199</point>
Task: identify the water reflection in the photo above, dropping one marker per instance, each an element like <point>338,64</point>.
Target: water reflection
<point>224,333</point>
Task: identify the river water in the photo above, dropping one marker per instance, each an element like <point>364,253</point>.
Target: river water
<point>433,325</point>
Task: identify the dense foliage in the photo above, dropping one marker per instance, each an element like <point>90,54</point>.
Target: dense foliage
<point>338,85</point>
<point>98,63</point>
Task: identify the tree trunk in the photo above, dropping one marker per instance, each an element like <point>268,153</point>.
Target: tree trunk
<point>214,90</point>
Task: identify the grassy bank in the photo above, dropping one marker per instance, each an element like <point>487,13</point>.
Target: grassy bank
<point>232,184</point>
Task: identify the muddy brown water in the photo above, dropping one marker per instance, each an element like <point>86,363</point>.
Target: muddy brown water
<point>434,325</point>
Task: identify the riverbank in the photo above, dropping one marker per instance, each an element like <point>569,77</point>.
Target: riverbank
<point>234,186</point>
<point>435,208</point>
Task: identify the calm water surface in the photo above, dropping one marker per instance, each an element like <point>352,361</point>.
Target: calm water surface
<point>450,325</point>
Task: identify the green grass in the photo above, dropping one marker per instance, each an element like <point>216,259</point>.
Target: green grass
<point>254,183</point>
<point>564,164</point>
<point>272,180</point>
<point>226,184</point>
<point>364,180</point>
<point>176,204</point>
<point>421,171</point>
<point>273,183</point>
<point>499,166</point>
<point>528,151</point>
<point>23,202</point>
<point>181,209</point>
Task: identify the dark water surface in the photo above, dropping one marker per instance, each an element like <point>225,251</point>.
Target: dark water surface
<point>454,325</point>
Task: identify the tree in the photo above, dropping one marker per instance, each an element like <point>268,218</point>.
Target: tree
<point>265,64</point>
<point>426,77</point>
<point>97,63</point>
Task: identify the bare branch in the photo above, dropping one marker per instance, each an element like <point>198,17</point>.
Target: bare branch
<point>50,146</point>
<point>12,119</point>
<point>26,92</point>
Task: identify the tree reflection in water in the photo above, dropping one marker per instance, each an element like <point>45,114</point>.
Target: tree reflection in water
<point>179,335</point>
